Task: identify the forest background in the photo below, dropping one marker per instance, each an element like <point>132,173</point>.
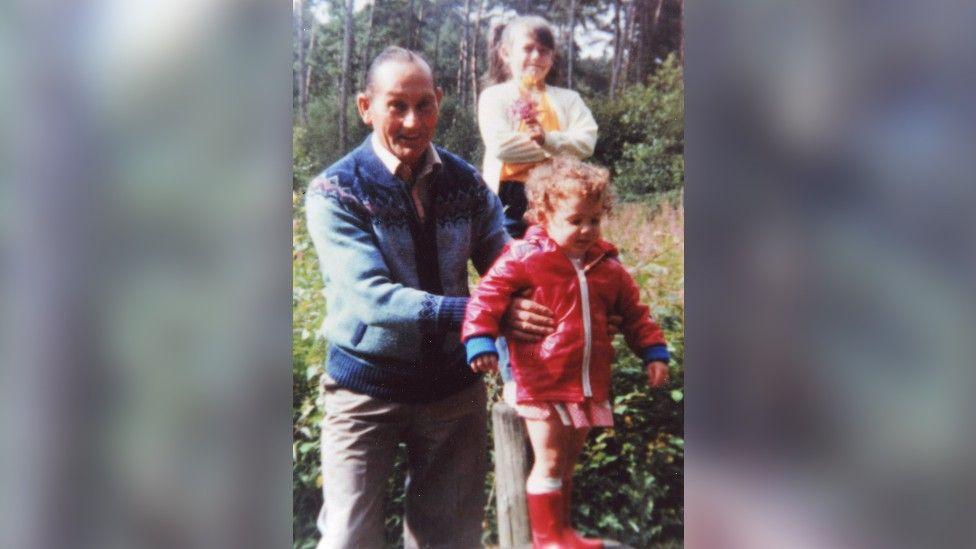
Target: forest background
<point>625,58</point>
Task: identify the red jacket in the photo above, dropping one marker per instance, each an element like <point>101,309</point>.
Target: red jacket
<point>574,361</point>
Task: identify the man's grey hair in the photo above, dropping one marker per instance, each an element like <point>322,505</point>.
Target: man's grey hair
<point>394,54</point>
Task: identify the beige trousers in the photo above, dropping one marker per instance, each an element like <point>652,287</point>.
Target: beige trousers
<point>447,458</point>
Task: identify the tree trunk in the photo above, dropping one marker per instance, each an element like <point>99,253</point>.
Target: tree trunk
<point>629,41</point>
<point>366,44</point>
<point>298,31</point>
<point>641,42</point>
<point>344,79</point>
<point>463,56</point>
<point>653,31</point>
<point>411,25</point>
<point>681,31</point>
<point>419,31</point>
<point>307,78</point>
<point>474,57</point>
<point>437,49</point>
<point>617,47</point>
<point>569,44</point>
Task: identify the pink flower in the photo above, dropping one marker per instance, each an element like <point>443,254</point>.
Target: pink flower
<point>523,109</point>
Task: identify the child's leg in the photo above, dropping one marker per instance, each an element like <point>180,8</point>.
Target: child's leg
<point>547,438</point>
<point>543,488</point>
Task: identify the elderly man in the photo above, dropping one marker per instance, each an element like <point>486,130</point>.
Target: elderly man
<point>395,223</point>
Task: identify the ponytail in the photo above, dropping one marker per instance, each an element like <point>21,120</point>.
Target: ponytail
<point>497,68</point>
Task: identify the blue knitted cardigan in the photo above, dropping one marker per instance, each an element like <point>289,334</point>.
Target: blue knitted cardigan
<point>396,287</point>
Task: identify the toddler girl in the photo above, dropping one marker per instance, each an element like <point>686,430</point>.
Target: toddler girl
<point>563,381</point>
<point>523,120</point>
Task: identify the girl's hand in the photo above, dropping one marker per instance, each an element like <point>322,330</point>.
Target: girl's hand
<point>536,133</point>
<point>657,373</point>
<point>485,363</point>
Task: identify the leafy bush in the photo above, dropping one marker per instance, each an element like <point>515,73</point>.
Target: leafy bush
<point>316,146</point>
<point>308,354</point>
<point>642,134</point>
<point>457,131</point>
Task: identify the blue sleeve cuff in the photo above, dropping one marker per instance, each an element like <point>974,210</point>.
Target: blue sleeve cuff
<point>451,313</point>
<point>656,352</point>
<point>480,345</point>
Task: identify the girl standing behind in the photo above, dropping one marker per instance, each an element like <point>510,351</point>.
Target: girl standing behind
<point>523,120</point>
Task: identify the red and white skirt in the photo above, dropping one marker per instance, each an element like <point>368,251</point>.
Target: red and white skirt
<point>588,413</point>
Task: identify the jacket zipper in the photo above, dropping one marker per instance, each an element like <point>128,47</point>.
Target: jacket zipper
<point>587,328</point>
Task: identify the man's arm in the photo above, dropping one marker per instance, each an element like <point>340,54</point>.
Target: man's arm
<point>351,263</point>
<point>489,236</point>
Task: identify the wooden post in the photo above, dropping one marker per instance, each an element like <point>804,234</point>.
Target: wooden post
<point>512,464</point>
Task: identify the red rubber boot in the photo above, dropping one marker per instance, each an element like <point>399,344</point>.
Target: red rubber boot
<point>577,541</point>
<point>547,520</point>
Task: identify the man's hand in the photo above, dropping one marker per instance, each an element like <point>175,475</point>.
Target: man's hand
<point>657,373</point>
<point>527,321</point>
<point>485,363</point>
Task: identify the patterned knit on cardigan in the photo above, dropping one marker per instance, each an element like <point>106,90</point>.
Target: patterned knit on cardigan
<point>396,287</point>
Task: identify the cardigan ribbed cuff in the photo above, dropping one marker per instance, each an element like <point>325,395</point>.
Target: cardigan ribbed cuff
<point>451,313</point>
<point>654,353</point>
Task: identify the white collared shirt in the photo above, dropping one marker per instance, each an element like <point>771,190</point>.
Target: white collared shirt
<point>419,185</point>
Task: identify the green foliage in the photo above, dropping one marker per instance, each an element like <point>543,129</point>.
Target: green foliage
<point>308,354</point>
<point>629,482</point>
<point>642,134</point>
<point>457,131</point>
<point>316,146</point>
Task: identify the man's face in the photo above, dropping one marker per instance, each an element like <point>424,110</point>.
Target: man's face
<point>402,108</point>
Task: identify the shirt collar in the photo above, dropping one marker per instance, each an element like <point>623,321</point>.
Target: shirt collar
<point>432,160</point>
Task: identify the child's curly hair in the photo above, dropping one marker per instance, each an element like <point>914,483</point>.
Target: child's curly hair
<point>562,177</point>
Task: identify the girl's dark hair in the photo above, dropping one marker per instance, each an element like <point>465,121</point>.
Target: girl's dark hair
<point>502,33</point>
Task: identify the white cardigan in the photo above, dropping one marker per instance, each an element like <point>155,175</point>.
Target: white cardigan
<point>504,143</point>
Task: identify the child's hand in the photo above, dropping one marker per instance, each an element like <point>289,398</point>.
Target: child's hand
<point>485,363</point>
<point>657,373</point>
